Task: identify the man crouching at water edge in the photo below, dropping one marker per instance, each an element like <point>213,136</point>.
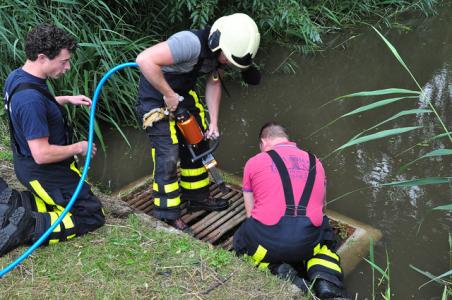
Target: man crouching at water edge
<point>284,194</point>
<point>43,153</point>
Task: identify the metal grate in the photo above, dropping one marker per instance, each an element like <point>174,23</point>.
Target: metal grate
<point>216,228</point>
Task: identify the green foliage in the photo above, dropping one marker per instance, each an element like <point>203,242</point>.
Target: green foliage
<point>385,279</point>
<point>444,279</point>
<point>105,40</point>
<point>113,31</point>
<point>289,20</point>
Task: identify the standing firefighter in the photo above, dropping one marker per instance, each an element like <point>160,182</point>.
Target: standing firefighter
<point>42,151</point>
<point>284,193</point>
<point>170,70</point>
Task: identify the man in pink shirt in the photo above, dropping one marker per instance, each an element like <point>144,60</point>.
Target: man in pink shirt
<point>284,193</point>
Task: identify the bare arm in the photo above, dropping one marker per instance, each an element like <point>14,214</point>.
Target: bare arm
<point>75,100</point>
<point>249,202</point>
<point>150,62</point>
<point>213,99</point>
<point>45,153</point>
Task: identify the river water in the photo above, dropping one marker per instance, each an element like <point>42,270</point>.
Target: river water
<point>413,233</point>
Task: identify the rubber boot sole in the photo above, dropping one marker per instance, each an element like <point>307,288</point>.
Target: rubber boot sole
<point>10,235</point>
<point>6,206</point>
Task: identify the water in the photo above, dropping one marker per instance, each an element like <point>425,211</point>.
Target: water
<point>413,234</point>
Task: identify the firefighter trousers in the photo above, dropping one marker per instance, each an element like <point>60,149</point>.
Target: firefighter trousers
<point>50,189</point>
<point>292,240</point>
<point>168,147</point>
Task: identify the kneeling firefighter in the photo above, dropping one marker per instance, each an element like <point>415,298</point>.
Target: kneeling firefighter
<point>170,70</point>
<point>284,192</point>
<point>43,151</point>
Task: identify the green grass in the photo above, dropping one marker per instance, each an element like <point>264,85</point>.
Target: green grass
<point>128,260</point>
<point>5,151</point>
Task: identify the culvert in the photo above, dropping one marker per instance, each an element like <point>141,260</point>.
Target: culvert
<point>217,228</point>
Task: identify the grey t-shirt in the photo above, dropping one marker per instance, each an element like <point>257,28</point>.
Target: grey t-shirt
<point>185,48</point>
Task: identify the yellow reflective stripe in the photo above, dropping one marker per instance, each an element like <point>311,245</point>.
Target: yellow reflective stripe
<point>323,263</point>
<point>263,266</point>
<point>39,190</point>
<point>70,236</point>
<point>153,161</point>
<point>67,220</point>
<point>53,218</point>
<point>199,106</point>
<point>74,168</point>
<point>259,255</point>
<point>195,185</point>
<point>171,187</point>
<point>192,172</point>
<point>40,205</point>
<point>325,251</point>
<point>172,128</point>
<point>169,202</point>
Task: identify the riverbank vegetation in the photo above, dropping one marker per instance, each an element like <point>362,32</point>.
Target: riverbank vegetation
<point>112,32</point>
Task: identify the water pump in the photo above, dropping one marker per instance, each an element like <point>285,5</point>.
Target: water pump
<point>193,135</point>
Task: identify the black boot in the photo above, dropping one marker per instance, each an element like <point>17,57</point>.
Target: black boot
<point>287,272</point>
<point>9,202</point>
<point>17,232</point>
<point>325,290</point>
<point>207,203</point>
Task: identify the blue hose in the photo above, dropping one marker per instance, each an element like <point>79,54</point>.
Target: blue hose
<point>82,178</point>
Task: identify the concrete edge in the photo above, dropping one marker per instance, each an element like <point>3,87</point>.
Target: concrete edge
<point>357,245</point>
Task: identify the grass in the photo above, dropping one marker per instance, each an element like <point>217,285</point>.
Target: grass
<point>127,259</point>
<point>5,151</point>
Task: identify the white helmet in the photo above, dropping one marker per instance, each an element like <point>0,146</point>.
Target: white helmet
<point>238,37</point>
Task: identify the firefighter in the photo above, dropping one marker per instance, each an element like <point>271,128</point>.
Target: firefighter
<point>284,194</point>
<point>43,154</point>
<point>169,72</point>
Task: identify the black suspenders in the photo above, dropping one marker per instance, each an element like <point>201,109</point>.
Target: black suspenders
<point>48,95</point>
<point>287,185</point>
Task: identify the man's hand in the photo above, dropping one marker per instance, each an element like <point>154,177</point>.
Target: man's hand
<point>172,101</point>
<point>213,132</point>
<point>75,100</point>
<point>83,147</point>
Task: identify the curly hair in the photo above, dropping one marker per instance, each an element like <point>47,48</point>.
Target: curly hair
<point>48,40</point>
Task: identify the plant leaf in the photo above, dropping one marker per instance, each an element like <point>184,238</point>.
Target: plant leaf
<point>431,276</point>
<point>376,136</point>
<point>422,181</point>
<point>376,105</point>
<point>380,270</point>
<point>379,93</point>
<point>444,207</point>
<point>437,152</point>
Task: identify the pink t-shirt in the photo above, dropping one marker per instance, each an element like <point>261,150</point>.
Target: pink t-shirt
<point>261,177</point>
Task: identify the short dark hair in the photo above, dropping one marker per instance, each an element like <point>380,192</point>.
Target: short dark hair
<point>48,40</point>
<point>273,130</point>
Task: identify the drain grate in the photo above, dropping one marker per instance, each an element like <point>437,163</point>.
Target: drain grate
<point>216,228</point>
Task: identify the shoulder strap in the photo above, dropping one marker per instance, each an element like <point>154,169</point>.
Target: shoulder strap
<point>306,195</point>
<point>44,92</point>
<point>285,179</point>
<point>203,36</point>
<point>287,185</point>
